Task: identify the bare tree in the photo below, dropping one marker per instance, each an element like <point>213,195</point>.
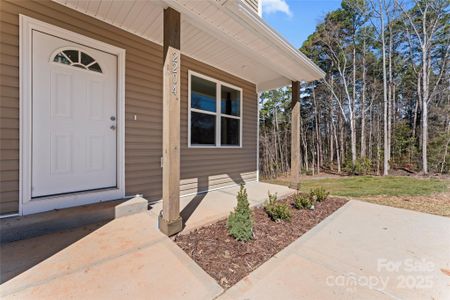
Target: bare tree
<point>425,30</point>
<point>363,99</point>
<point>379,10</point>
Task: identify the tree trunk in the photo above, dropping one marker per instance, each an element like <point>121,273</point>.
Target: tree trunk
<point>385,96</point>
<point>424,106</point>
<point>341,138</point>
<point>424,128</point>
<point>331,143</point>
<point>371,132</point>
<point>337,148</point>
<point>305,146</point>
<point>390,90</point>
<point>316,117</point>
<point>444,156</point>
<point>378,145</point>
<point>363,104</point>
<point>352,113</point>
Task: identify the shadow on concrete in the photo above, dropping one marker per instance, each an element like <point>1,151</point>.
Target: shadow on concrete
<point>18,256</point>
<point>25,241</point>
<point>202,186</point>
<point>189,209</point>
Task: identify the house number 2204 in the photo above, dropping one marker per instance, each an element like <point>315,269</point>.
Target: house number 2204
<point>175,62</point>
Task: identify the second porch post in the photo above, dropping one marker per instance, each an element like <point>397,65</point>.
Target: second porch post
<point>170,221</point>
<point>295,135</point>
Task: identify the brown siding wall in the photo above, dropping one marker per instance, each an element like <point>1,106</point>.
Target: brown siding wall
<point>209,168</point>
<point>143,90</point>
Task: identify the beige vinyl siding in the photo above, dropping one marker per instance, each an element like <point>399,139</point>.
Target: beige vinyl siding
<point>253,4</point>
<point>143,90</point>
<point>210,168</point>
<point>9,115</point>
<point>143,98</point>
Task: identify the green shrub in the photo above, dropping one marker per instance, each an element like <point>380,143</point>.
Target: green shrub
<point>318,194</point>
<point>277,211</point>
<point>303,201</point>
<point>363,166</point>
<point>240,223</point>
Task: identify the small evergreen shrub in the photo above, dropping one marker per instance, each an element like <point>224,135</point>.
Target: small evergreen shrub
<point>303,201</point>
<point>277,211</point>
<point>240,223</point>
<point>318,194</point>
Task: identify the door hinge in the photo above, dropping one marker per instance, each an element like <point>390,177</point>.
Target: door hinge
<point>162,161</point>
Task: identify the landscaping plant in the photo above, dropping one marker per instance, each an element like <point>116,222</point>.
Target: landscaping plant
<point>303,201</point>
<point>319,194</point>
<point>240,223</point>
<point>277,211</point>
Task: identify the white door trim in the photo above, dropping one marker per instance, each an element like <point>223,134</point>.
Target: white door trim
<point>27,205</point>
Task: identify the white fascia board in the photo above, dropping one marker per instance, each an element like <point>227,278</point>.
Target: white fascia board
<point>198,21</point>
<point>299,68</point>
<point>276,39</point>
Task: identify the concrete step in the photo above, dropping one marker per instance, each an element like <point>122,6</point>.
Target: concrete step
<point>19,228</point>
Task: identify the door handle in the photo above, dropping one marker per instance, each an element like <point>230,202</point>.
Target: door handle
<point>113,127</point>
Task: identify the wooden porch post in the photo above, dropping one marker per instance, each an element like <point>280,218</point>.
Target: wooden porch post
<point>295,135</point>
<point>170,221</point>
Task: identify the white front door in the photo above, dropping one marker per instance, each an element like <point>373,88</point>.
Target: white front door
<point>74,117</point>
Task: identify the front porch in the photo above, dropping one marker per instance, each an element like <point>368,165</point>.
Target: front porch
<point>42,263</point>
<point>220,51</point>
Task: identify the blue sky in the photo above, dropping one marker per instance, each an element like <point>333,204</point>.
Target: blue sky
<point>295,20</point>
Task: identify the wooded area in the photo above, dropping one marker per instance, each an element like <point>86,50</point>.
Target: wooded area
<point>385,101</point>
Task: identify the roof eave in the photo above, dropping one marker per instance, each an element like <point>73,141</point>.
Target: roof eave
<point>315,72</point>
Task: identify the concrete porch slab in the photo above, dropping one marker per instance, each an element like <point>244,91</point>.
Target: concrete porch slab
<point>206,208</point>
<point>125,258</point>
<point>24,227</point>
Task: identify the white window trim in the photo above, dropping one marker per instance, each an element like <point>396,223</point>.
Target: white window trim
<point>27,205</point>
<point>218,112</point>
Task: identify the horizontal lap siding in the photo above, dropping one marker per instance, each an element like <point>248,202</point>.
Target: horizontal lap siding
<point>203,169</point>
<point>253,4</point>
<point>9,114</point>
<point>143,90</point>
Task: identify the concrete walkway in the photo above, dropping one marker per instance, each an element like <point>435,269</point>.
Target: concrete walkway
<point>363,251</point>
<point>127,258</point>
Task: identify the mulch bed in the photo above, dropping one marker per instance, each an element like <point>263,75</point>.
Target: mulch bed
<point>228,260</point>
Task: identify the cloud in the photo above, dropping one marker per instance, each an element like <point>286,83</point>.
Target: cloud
<point>273,6</point>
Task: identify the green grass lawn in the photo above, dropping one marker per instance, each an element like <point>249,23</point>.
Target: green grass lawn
<point>361,186</point>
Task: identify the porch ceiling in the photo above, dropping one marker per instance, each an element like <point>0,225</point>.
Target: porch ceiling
<point>224,34</point>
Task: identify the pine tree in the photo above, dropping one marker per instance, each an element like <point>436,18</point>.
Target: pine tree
<point>240,223</point>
